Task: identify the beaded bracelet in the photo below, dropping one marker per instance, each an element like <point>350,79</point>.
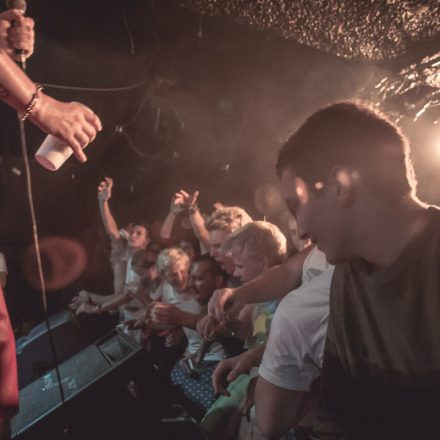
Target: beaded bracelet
<point>32,103</point>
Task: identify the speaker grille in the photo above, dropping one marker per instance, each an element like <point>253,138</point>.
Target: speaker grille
<point>43,395</point>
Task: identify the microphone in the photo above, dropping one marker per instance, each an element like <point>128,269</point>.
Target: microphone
<point>21,6</point>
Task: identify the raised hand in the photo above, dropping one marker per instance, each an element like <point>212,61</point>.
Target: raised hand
<point>105,189</point>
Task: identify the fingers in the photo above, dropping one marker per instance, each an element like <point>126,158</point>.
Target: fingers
<point>234,373</point>
<point>93,119</point>
<point>77,145</point>
<point>216,304</point>
<point>219,378</point>
<point>20,33</point>
<point>12,15</point>
<point>194,197</point>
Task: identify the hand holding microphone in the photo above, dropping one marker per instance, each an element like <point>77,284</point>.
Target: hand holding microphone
<point>17,36</point>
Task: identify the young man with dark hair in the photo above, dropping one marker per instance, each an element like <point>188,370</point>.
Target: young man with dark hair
<point>347,177</point>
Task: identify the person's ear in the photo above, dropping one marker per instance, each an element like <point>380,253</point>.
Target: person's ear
<point>344,186</point>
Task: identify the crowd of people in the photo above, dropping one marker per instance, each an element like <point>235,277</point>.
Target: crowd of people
<point>338,341</point>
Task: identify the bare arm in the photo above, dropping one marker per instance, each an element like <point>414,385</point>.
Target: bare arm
<point>166,230</point>
<point>189,202</point>
<point>104,195</point>
<point>271,402</point>
<point>273,284</point>
<point>73,123</point>
<point>198,225</point>
<point>162,313</point>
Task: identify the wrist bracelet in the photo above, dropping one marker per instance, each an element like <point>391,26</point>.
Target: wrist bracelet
<point>193,209</point>
<point>32,103</point>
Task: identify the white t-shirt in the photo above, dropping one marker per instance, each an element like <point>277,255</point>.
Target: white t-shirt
<point>294,352</point>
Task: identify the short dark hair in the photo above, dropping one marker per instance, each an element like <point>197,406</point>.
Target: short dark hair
<point>215,267</point>
<point>143,256</point>
<point>351,134</point>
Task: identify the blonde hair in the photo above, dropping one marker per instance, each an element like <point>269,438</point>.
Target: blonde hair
<point>229,218</point>
<point>170,256</point>
<point>262,239</point>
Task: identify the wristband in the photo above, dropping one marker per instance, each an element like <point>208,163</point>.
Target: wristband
<point>32,103</point>
<point>193,209</point>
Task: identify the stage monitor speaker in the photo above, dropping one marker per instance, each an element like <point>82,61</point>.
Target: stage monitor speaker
<point>34,356</point>
<point>70,334</point>
<point>111,388</point>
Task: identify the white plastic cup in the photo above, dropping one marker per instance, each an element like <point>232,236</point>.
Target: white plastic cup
<point>53,153</point>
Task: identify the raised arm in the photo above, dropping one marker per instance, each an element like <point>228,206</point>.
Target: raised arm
<point>104,195</point>
<point>197,221</point>
<point>274,284</point>
<point>176,208</point>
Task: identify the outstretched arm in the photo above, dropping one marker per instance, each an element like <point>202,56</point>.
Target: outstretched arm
<point>73,123</point>
<point>274,284</point>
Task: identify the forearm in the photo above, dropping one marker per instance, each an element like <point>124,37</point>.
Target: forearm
<point>16,88</point>
<point>167,227</point>
<point>109,222</point>
<point>96,299</point>
<point>188,320</point>
<point>255,355</point>
<point>277,282</point>
<point>115,301</point>
<point>198,224</point>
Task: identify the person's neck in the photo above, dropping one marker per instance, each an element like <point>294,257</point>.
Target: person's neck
<point>385,235</point>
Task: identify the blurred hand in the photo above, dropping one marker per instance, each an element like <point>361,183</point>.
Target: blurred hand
<point>105,189</point>
<point>85,308</point>
<point>228,370</point>
<point>72,122</point>
<point>206,326</point>
<point>16,32</point>
<point>82,297</point>
<point>225,301</point>
<point>161,313</point>
<point>182,201</point>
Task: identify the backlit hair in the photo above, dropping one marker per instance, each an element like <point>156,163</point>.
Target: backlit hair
<point>353,135</point>
<point>259,238</point>
<point>228,218</point>
<point>170,256</point>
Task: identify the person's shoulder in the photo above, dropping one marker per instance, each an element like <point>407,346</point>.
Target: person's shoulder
<point>309,300</point>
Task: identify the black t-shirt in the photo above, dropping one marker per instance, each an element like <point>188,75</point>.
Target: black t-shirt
<point>381,374</point>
